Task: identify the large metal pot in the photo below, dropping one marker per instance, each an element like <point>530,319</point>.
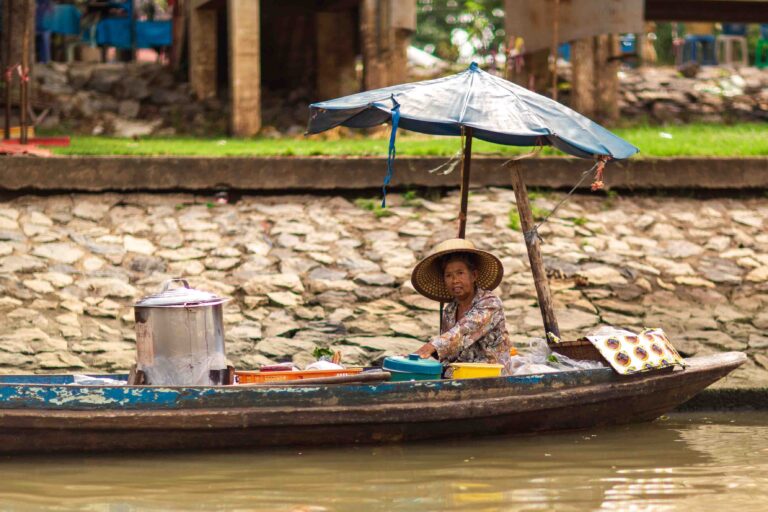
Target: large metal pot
<point>180,336</point>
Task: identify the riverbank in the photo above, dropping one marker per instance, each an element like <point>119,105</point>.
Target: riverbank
<point>325,270</point>
<point>358,174</point>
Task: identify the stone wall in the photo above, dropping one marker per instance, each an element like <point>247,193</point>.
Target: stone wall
<point>708,94</point>
<point>317,270</point>
<point>144,99</point>
<point>122,99</point>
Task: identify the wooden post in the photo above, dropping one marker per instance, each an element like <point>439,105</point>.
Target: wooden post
<point>244,66</point>
<point>607,77</point>
<point>583,76</point>
<point>7,62</point>
<point>24,79</point>
<point>534,254</point>
<point>335,57</point>
<point>555,30</point>
<point>203,48</point>
<point>465,171</point>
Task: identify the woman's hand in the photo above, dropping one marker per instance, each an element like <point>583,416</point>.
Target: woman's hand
<point>426,350</point>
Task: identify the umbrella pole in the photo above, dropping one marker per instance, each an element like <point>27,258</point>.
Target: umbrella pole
<point>534,254</point>
<point>465,171</point>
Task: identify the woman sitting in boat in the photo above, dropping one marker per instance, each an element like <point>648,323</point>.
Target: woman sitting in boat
<point>472,328</point>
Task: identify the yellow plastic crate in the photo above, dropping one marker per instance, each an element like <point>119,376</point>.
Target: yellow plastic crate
<point>475,370</point>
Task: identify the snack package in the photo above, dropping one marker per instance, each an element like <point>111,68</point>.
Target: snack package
<point>630,353</point>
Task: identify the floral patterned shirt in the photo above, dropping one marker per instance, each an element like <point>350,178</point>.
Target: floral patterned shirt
<point>480,336</point>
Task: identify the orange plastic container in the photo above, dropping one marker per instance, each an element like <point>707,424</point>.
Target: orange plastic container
<point>244,377</point>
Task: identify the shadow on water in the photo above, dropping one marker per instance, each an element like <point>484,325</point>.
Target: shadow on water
<point>684,461</point>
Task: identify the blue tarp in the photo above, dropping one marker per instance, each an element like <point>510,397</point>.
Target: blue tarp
<point>497,110</point>
<point>62,19</point>
<point>149,34</point>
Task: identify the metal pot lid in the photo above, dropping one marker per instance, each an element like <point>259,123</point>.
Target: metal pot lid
<point>181,296</point>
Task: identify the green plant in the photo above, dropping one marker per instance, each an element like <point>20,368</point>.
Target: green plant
<point>319,352</point>
<point>538,212</point>
<point>410,198</point>
<point>610,199</point>
<point>579,221</point>
<point>514,220</point>
<point>373,206</point>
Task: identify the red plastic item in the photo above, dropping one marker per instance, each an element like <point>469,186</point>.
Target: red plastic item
<point>244,377</point>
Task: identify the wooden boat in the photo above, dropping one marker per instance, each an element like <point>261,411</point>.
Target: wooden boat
<point>44,413</point>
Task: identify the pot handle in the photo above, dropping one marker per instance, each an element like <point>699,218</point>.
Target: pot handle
<point>175,279</point>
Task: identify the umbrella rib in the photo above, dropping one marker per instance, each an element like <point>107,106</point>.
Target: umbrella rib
<point>466,96</point>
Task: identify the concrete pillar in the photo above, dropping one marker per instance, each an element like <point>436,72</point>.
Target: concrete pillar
<point>244,66</point>
<point>336,33</point>
<point>203,45</point>
<point>583,76</point>
<point>369,30</point>
<point>398,63</point>
<point>607,78</point>
<point>386,28</point>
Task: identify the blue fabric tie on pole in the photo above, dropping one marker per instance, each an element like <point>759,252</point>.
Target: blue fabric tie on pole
<point>391,155</point>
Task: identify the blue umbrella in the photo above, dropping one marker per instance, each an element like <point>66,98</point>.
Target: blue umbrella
<point>477,104</point>
<point>495,109</point>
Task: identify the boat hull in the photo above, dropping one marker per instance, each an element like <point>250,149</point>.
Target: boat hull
<point>37,417</point>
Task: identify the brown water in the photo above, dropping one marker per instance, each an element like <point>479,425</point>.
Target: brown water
<point>683,462</point>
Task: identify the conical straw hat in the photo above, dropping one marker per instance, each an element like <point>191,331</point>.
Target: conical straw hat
<point>427,276</point>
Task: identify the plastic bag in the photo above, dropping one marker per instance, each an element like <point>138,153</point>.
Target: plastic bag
<point>187,370</point>
<point>323,365</point>
<point>540,359</point>
<point>89,380</point>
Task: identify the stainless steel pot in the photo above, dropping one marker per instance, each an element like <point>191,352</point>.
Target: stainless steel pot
<point>180,336</point>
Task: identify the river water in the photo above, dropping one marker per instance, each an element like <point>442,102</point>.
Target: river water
<point>715,461</point>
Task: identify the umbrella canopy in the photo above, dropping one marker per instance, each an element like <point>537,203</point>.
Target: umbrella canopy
<point>495,109</point>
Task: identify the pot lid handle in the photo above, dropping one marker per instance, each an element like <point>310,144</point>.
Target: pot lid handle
<point>175,279</point>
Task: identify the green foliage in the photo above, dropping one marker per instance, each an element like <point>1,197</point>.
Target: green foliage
<point>410,198</point>
<point>374,206</point>
<point>610,199</point>
<point>514,220</point>
<point>319,352</point>
<point>438,23</point>
<point>538,212</point>
<point>579,221</point>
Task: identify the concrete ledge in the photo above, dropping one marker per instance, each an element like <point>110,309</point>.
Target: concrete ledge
<point>124,173</point>
<point>727,399</point>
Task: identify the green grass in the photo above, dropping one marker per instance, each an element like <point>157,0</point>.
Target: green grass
<point>514,220</point>
<point>739,140</point>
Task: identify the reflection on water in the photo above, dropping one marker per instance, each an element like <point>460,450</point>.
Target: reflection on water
<point>716,461</point>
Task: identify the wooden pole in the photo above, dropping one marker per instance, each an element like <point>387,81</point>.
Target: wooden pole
<point>465,171</point>
<point>7,75</point>
<point>555,37</point>
<point>25,61</point>
<point>534,254</point>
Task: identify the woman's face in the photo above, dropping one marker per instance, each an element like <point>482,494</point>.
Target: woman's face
<point>460,280</point>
